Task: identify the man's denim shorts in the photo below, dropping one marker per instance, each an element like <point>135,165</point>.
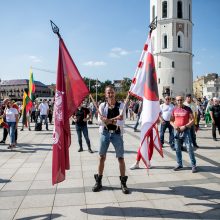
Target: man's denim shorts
<point>115,139</point>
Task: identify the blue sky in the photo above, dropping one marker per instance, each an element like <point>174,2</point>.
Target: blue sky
<point>104,37</point>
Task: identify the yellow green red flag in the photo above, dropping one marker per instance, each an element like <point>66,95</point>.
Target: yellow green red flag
<point>31,86</point>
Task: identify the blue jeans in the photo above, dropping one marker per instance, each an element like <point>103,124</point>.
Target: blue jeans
<point>44,117</point>
<point>188,141</point>
<point>115,139</point>
<point>163,128</point>
<point>137,122</point>
<point>193,135</point>
<point>83,129</point>
<point>11,132</point>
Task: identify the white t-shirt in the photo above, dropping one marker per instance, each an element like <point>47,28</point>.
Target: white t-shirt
<point>166,111</point>
<point>11,114</point>
<point>43,107</point>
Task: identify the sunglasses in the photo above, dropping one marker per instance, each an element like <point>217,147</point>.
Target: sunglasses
<point>167,99</point>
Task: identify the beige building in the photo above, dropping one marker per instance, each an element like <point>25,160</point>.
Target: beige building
<point>14,89</point>
<point>208,85</point>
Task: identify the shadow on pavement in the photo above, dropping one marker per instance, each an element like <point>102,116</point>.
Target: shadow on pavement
<point>208,196</point>
<point>4,180</point>
<point>42,217</point>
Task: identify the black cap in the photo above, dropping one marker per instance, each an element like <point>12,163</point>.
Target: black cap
<point>188,95</point>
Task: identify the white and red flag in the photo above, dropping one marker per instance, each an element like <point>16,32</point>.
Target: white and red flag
<point>144,86</point>
<point>70,92</point>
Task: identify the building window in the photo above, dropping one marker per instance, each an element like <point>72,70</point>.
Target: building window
<point>189,12</point>
<point>164,9</point>
<point>173,64</point>
<point>180,42</point>
<point>165,41</point>
<point>172,80</point>
<point>159,64</point>
<point>179,9</point>
<point>158,80</point>
<point>153,12</point>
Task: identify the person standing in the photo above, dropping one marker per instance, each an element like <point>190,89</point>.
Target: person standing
<point>111,125</point>
<point>27,122</point>
<point>44,110</point>
<point>33,113</point>
<point>11,115</point>
<point>189,102</point>
<point>165,115</point>
<point>182,119</point>
<point>138,115</point>
<point>215,115</point>
<point>5,131</point>
<point>80,118</point>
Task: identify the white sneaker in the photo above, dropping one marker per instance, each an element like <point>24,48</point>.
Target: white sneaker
<point>134,166</point>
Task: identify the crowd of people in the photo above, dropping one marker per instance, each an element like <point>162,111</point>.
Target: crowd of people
<point>181,116</point>
<point>11,112</point>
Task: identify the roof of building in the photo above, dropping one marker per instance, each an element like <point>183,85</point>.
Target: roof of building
<point>20,82</point>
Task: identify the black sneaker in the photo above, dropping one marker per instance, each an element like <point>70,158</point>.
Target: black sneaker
<point>80,150</point>
<point>90,151</point>
<point>2,142</point>
<point>177,168</point>
<point>214,139</point>
<point>194,169</point>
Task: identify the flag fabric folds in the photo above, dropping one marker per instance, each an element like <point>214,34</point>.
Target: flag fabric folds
<point>70,92</point>
<point>144,86</point>
<point>26,107</point>
<point>31,86</point>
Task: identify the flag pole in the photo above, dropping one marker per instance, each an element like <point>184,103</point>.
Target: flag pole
<point>152,26</point>
<point>55,29</point>
<point>94,103</point>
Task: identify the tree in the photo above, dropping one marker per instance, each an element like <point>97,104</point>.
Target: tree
<point>126,83</point>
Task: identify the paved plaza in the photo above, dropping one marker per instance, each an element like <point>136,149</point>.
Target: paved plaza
<point>26,191</point>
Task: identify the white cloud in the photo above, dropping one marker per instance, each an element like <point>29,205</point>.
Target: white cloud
<point>95,63</point>
<point>118,52</point>
<point>35,59</point>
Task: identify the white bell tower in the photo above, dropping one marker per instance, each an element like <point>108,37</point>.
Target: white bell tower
<point>172,45</point>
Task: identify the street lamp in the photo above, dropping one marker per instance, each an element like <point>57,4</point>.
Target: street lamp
<point>96,89</point>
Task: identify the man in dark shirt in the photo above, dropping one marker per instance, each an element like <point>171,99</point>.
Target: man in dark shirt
<point>81,117</point>
<point>215,115</point>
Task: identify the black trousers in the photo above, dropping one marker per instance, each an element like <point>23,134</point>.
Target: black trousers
<point>5,134</point>
<point>214,126</point>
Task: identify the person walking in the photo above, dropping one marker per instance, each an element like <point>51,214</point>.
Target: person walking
<point>111,125</point>
<point>80,118</point>
<point>182,119</point>
<point>44,111</point>
<point>215,115</point>
<point>165,115</point>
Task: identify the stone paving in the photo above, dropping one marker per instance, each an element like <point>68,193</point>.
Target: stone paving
<point>26,191</point>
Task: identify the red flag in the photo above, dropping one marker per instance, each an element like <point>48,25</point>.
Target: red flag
<point>70,92</point>
<point>145,87</point>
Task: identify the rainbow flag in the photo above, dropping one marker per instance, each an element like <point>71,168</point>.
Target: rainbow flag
<point>26,107</point>
<point>31,86</point>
